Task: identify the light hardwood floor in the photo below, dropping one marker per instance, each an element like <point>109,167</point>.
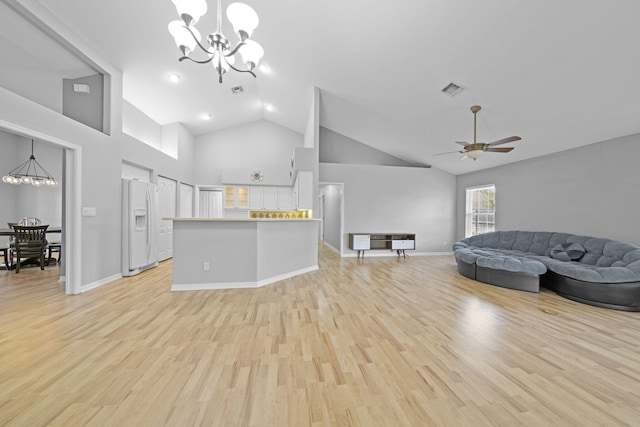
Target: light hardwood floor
<point>373,342</point>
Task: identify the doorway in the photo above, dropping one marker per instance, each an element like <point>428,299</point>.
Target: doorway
<point>186,200</point>
<point>71,180</point>
<point>331,205</point>
<point>167,209</point>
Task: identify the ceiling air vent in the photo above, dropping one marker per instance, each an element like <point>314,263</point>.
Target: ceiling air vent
<point>452,89</point>
<point>237,89</point>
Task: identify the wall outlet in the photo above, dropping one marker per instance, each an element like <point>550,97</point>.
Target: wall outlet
<point>205,266</point>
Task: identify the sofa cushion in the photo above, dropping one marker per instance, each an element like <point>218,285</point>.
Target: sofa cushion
<point>567,251</point>
<point>511,263</point>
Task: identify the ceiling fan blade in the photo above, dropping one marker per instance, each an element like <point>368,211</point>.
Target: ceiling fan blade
<point>499,149</point>
<point>504,140</point>
<point>462,143</point>
<point>448,152</point>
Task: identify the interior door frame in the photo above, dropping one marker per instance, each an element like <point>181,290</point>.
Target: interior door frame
<point>176,196</point>
<point>71,272</point>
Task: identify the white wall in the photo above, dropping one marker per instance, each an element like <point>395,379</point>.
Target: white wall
<point>259,145</point>
<point>591,190</point>
<point>138,125</point>
<point>142,154</point>
<point>388,199</point>
<point>311,139</point>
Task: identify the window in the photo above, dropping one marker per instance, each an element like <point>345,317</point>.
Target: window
<point>481,210</point>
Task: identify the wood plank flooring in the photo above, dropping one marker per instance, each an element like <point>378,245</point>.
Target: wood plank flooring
<point>373,342</point>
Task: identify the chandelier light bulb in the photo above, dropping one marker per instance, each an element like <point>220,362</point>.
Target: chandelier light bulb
<point>220,64</point>
<point>251,53</point>
<point>243,18</point>
<point>183,38</point>
<point>194,9</point>
<point>29,172</point>
<point>216,45</point>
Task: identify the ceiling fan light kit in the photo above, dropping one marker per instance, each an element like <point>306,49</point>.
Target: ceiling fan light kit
<point>244,21</point>
<point>475,150</point>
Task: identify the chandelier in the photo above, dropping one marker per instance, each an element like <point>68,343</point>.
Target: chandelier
<point>30,172</point>
<point>244,20</point>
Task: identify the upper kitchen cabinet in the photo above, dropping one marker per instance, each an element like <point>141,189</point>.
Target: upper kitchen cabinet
<point>268,197</point>
<point>236,197</point>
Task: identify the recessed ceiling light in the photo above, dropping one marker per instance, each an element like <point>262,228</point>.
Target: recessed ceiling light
<point>268,107</point>
<point>206,116</point>
<point>174,78</point>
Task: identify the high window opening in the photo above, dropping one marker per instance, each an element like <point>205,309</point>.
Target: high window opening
<point>480,210</point>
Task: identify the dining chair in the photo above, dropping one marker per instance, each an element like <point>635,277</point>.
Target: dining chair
<point>30,244</point>
<point>30,220</point>
<point>11,248</point>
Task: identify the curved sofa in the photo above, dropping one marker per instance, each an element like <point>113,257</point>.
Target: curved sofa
<point>590,270</point>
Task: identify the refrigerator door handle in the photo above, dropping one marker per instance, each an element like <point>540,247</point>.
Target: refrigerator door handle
<point>149,225</point>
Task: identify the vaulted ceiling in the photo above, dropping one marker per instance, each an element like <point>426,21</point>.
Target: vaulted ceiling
<point>560,74</point>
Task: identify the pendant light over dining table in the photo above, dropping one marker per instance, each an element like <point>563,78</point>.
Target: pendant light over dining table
<point>30,172</point>
<point>244,20</point>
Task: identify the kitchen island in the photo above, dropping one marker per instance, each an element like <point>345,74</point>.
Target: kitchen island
<point>224,253</point>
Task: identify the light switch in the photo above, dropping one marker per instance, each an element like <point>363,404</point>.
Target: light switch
<point>88,211</point>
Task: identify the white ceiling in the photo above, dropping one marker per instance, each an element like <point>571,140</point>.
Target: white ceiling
<point>560,74</point>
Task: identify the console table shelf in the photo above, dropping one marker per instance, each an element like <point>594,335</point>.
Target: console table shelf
<point>398,242</point>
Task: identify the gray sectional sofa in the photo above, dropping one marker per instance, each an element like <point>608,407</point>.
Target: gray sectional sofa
<point>591,270</point>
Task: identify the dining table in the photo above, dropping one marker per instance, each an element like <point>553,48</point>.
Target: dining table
<point>11,231</point>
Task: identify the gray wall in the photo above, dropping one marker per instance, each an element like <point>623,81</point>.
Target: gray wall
<point>390,199</point>
<point>86,108</point>
<point>8,160</point>
<point>591,190</point>
<point>337,148</point>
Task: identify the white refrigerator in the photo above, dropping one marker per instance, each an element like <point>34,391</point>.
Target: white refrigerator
<point>139,226</point>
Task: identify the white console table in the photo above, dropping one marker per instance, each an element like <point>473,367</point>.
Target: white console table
<point>398,242</point>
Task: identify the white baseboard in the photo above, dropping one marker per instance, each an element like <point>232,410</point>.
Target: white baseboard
<point>271,280</point>
<point>240,285</point>
<point>98,283</point>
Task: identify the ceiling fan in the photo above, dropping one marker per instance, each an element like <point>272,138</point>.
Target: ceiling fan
<point>473,151</point>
